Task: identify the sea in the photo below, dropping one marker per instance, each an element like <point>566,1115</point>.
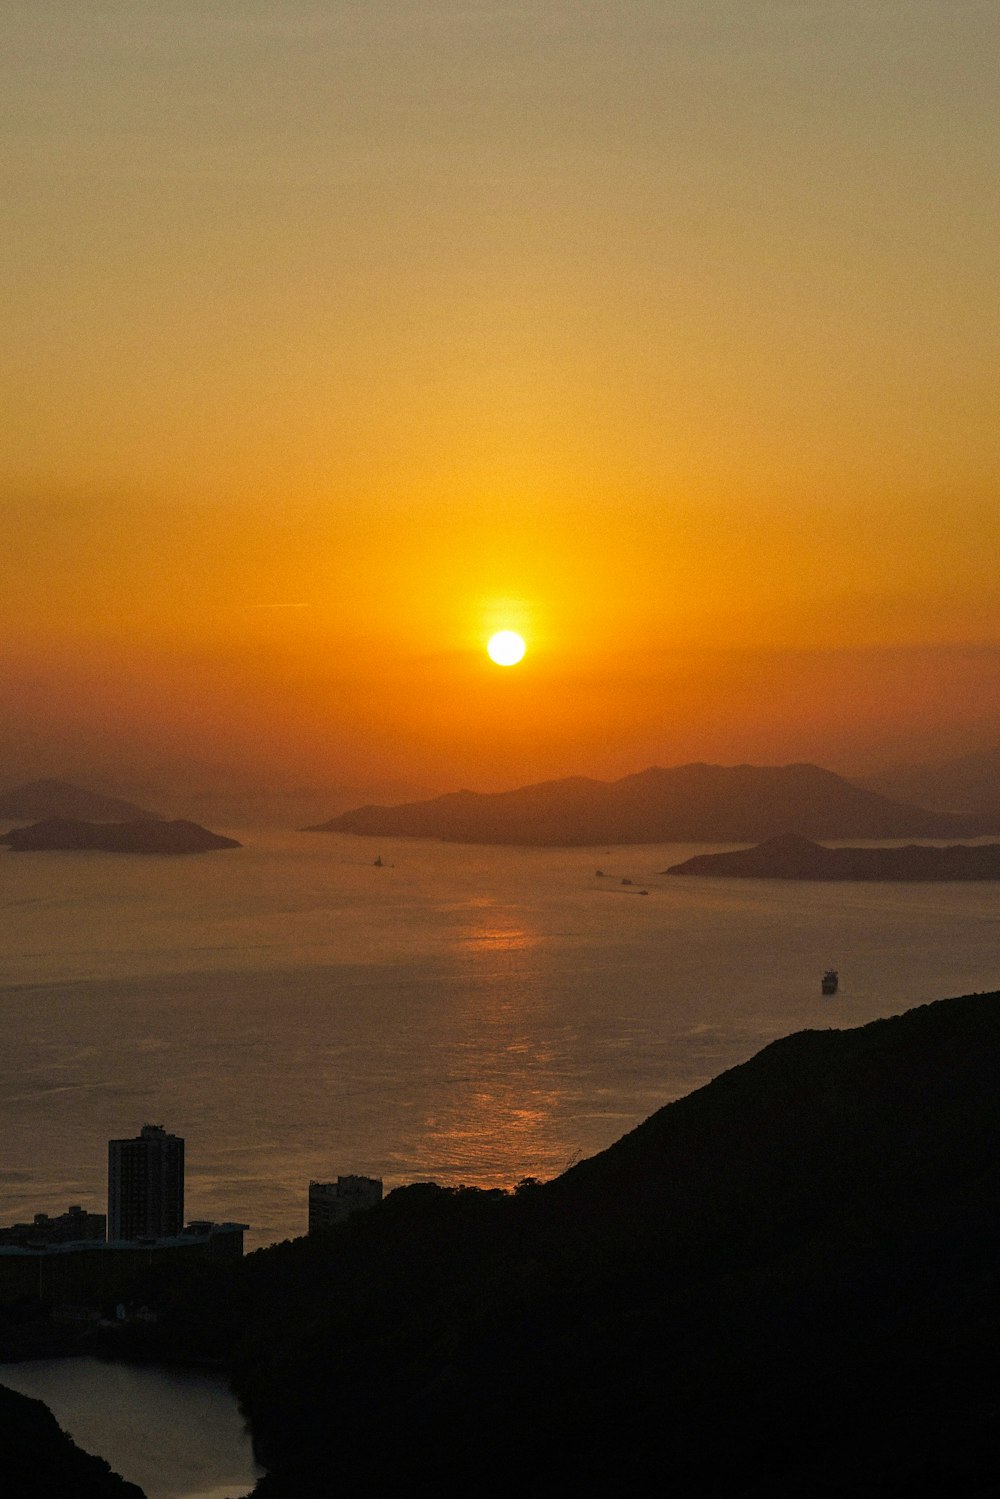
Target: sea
<point>177,1433</point>
<point>459,1014</point>
<point>473,1015</point>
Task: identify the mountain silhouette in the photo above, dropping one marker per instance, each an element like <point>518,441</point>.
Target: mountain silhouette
<point>690,803</point>
<point>141,837</point>
<point>784,1284</point>
<point>40,799</point>
<point>39,1461</point>
<point>791,857</point>
<point>968,783</point>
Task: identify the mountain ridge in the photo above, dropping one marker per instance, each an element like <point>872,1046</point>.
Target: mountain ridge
<point>66,834</point>
<point>968,783</point>
<point>688,803</point>
<point>38,1460</point>
<point>789,856</point>
<point>51,798</point>
<point>783,1283</point>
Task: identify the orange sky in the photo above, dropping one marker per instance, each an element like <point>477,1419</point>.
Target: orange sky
<point>664,332</point>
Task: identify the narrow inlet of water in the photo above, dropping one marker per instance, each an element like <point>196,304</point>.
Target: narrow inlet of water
<point>177,1433</point>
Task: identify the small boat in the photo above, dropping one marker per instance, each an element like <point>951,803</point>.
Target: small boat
<point>830,980</point>
<point>378,861</point>
<point>626,881</point>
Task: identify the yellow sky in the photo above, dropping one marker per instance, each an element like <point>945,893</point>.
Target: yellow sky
<point>340,335</point>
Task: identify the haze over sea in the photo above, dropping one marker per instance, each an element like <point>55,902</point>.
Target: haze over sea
<point>466,1014</point>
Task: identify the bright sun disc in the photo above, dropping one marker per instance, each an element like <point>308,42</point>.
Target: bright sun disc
<point>506,648</point>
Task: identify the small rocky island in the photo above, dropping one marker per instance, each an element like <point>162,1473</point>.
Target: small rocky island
<point>141,837</point>
<point>792,857</point>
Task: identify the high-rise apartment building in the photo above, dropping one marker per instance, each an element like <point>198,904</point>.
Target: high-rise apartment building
<point>146,1185</point>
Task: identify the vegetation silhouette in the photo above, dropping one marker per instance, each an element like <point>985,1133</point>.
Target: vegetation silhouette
<point>39,1461</point>
<point>783,1284</point>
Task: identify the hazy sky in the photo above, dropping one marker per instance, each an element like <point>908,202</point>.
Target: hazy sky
<point>340,334</point>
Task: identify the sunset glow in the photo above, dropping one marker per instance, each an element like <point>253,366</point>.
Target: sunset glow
<point>665,338</point>
<point>499,626</point>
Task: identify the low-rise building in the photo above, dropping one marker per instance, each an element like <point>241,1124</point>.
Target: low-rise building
<point>332,1202</point>
<point>92,1272</point>
<point>75,1226</point>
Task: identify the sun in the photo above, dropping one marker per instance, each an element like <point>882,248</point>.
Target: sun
<point>506,648</point>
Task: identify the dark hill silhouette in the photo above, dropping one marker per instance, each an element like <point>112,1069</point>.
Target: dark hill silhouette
<point>790,857</point>
<point>64,833</point>
<point>784,1284</point>
<point>969,783</point>
<point>39,1461</point>
<point>690,803</point>
<point>40,799</point>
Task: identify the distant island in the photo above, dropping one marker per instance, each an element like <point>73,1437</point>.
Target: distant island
<point>791,857</point>
<point>139,837</point>
<point>42,799</point>
<point>689,803</point>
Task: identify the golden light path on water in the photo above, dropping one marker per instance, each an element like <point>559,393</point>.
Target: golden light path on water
<point>491,1116</point>
<point>463,1014</point>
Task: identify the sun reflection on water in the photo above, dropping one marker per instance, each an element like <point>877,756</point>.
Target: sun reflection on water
<point>491,1136</point>
<point>503,1089</point>
<point>496,939</point>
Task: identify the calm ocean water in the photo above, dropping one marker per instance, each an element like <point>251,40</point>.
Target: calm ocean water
<point>176,1433</point>
<point>463,1014</point>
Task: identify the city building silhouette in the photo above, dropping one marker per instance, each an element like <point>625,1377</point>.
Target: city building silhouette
<point>146,1185</point>
<point>332,1202</point>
